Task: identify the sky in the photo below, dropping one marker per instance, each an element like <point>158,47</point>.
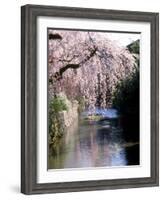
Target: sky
<point>123,39</point>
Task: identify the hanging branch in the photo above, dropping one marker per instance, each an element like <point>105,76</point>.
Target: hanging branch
<point>58,75</point>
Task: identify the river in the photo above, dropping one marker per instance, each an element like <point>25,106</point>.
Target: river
<point>94,142</point>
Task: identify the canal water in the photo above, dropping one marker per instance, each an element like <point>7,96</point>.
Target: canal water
<point>97,141</point>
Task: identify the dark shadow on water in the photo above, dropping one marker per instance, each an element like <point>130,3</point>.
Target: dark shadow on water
<point>131,134</point>
<point>132,155</point>
<point>130,127</point>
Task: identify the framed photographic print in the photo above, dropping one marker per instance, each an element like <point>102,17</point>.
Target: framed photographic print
<point>89,99</point>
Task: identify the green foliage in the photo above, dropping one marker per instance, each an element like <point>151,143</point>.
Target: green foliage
<point>126,101</point>
<point>58,104</point>
<point>126,98</point>
<point>134,47</point>
<point>126,95</point>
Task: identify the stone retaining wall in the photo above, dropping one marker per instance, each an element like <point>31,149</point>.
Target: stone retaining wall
<point>66,118</point>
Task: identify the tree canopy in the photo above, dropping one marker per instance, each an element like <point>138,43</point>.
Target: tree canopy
<point>86,64</point>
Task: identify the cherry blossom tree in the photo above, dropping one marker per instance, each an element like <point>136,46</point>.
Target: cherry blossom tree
<point>87,65</point>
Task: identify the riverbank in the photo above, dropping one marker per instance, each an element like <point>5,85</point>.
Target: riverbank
<point>62,118</point>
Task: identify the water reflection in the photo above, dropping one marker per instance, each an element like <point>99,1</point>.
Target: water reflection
<point>94,144</point>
